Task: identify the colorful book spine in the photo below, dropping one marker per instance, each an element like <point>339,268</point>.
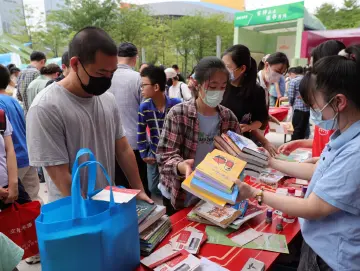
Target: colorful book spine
<point>208,189</point>
<point>203,177</point>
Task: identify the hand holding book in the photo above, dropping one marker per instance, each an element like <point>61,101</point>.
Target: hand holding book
<point>185,167</point>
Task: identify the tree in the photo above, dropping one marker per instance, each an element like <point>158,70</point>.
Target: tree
<point>77,14</point>
<point>348,16</point>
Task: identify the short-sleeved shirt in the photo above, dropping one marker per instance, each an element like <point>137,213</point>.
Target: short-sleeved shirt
<point>60,123</point>
<point>35,87</point>
<point>282,87</point>
<point>25,78</point>
<point>336,238</point>
<point>180,91</point>
<point>15,113</point>
<point>4,180</point>
<point>294,96</point>
<point>126,87</point>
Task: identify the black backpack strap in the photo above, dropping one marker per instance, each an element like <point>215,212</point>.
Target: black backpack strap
<point>182,97</point>
<point>2,122</point>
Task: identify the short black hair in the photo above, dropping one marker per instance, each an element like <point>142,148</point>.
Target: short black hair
<point>175,66</point>
<point>127,49</point>
<point>50,69</point>
<point>37,56</point>
<point>88,41</point>
<point>297,70</point>
<point>14,70</point>
<point>4,77</point>
<point>65,59</point>
<point>156,75</point>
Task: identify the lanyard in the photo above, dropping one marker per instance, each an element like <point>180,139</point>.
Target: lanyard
<point>157,124</point>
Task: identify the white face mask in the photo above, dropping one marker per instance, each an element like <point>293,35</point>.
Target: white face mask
<point>213,97</point>
<point>272,76</point>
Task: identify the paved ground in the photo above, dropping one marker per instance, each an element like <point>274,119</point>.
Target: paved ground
<point>276,139</point>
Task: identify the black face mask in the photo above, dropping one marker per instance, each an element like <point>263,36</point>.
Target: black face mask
<point>96,85</point>
<point>169,82</point>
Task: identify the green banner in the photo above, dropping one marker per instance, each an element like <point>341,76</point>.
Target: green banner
<point>270,15</point>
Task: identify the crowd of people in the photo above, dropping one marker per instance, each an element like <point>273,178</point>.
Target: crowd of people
<point>150,129</point>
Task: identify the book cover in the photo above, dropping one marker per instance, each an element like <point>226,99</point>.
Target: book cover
<point>270,242</point>
<point>192,216</point>
<point>186,185</point>
<point>206,188</point>
<point>121,195</point>
<point>189,241</point>
<point>152,218</point>
<point>221,217</point>
<point>230,143</point>
<point>251,212</point>
<point>246,145</point>
<point>184,262</point>
<point>143,210</point>
<point>222,168</point>
<point>150,231</point>
<point>160,257</point>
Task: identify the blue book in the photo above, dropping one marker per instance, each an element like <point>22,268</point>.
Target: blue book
<point>203,186</point>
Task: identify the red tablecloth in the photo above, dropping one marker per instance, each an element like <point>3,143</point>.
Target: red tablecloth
<point>279,112</point>
<point>233,258</point>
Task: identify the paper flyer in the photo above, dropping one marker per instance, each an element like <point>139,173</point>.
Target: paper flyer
<point>121,195</point>
<point>218,236</point>
<point>270,242</point>
<point>207,265</point>
<point>246,237</point>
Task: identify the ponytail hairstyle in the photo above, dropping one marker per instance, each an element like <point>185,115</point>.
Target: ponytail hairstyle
<point>241,56</point>
<point>332,75</point>
<point>205,69</point>
<point>327,48</point>
<point>50,69</point>
<point>273,59</point>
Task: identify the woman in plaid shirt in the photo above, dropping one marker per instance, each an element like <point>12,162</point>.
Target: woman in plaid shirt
<point>189,131</point>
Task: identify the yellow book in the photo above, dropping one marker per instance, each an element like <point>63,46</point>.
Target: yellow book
<point>221,168</point>
<point>186,185</point>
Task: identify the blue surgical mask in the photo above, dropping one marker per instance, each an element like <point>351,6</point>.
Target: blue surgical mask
<point>213,97</point>
<point>317,117</point>
<point>232,75</point>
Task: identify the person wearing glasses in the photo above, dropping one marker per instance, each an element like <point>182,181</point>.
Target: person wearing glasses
<point>151,114</point>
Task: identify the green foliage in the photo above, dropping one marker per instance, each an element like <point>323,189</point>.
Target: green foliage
<point>347,16</point>
<point>166,40</point>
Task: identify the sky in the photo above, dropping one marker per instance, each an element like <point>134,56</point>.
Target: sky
<point>311,5</point>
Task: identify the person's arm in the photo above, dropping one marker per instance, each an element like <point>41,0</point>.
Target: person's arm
<point>291,146</point>
<point>61,177</point>
<point>141,137</point>
<point>303,171</point>
<point>291,93</point>
<point>264,142</point>
<point>185,92</point>
<point>169,160</point>
<point>11,169</point>
<point>310,208</point>
<point>127,161</point>
<point>277,88</point>
<point>249,127</point>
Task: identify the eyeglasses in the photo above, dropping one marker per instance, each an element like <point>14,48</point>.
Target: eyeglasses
<point>144,85</point>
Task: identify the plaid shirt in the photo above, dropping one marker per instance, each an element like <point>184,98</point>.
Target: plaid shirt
<point>178,142</point>
<point>25,78</point>
<point>294,96</point>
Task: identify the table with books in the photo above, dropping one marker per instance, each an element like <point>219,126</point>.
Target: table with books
<point>220,233</point>
<point>279,112</point>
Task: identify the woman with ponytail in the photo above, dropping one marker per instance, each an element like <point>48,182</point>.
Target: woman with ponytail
<point>330,212</point>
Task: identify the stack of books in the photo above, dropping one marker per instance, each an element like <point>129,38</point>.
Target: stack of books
<point>214,179</point>
<point>244,149</point>
<point>154,226</point>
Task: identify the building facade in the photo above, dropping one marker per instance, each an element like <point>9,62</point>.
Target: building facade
<point>51,5</point>
<point>10,12</point>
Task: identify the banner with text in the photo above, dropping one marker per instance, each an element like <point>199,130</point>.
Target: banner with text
<point>270,15</point>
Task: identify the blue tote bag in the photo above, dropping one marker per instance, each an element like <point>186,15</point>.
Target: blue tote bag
<point>78,234</point>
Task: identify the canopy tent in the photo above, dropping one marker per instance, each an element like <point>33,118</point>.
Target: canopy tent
<point>311,39</point>
<point>277,28</point>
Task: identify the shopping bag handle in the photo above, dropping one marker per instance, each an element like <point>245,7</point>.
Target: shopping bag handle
<point>77,201</point>
<point>92,170</point>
